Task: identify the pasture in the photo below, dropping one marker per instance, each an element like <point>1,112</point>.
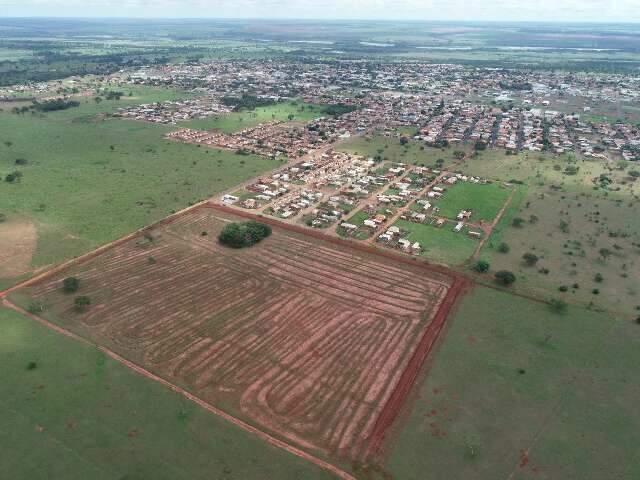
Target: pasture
<point>585,233</point>
<point>272,334</point>
<point>87,180</point>
<point>518,391</point>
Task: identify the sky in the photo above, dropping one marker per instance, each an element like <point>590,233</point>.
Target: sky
<point>496,10</point>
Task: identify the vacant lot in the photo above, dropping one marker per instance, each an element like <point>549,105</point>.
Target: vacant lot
<point>283,112</point>
<point>414,152</point>
<point>484,201</point>
<point>519,392</point>
<point>77,414</point>
<point>441,245</point>
<point>88,180</point>
<point>306,340</point>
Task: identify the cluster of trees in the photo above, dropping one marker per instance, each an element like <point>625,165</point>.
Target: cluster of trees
<point>339,109</point>
<point>247,102</point>
<point>241,235</point>
<point>54,105</point>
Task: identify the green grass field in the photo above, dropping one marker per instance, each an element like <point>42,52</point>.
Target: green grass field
<point>414,152</point>
<point>81,415</point>
<point>568,221</point>
<point>441,245</point>
<point>511,377</point>
<point>90,180</point>
<point>484,200</point>
<point>236,121</point>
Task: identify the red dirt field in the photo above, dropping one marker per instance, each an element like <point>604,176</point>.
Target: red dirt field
<point>309,339</point>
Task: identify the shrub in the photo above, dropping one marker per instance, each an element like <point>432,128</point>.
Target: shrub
<point>505,277</point>
<point>241,235</point>
<point>32,365</point>
<point>530,258</point>
<point>481,266</point>
<point>558,306</point>
<point>517,222</point>
<point>504,248</point>
<point>3,218</point>
<point>82,303</point>
<point>598,278</point>
<point>70,285</point>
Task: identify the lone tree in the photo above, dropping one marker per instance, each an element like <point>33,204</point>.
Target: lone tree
<point>504,248</point>
<point>82,303</point>
<point>505,277</point>
<point>557,305</point>
<point>481,266</point>
<point>70,285</point>
<point>530,258</point>
<point>241,235</point>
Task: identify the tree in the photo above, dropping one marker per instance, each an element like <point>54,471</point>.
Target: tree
<point>605,253</point>
<point>505,277</point>
<point>481,266</point>
<point>241,235</point>
<point>517,222</point>
<point>13,177</point>
<point>557,305</point>
<point>82,303</point>
<point>598,278</point>
<point>70,285</point>
<point>504,248</point>
<point>3,218</point>
<point>530,258</point>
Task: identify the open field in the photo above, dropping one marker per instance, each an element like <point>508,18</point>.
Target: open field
<point>587,236</point>
<point>236,121</point>
<point>414,153</point>
<point>319,349</point>
<point>79,414</point>
<point>89,180</point>
<point>441,245</point>
<point>519,392</point>
<point>484,200</point>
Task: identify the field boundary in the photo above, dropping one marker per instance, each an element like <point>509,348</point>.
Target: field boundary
<point>396,401</point>
<point>271,440</point>
<point>390,410</point>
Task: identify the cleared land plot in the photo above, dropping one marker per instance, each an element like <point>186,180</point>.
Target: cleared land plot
<point>484,201</point>
<point>79,414</point>
<point>441,245</point>
<point>517,391</point>
<point>306,340</point>
<point>414,152</point>
<point>235,121</point>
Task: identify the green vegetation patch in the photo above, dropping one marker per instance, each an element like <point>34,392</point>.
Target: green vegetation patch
<point>441,245</point>
<point>518,391</point>
<point>484,200</point>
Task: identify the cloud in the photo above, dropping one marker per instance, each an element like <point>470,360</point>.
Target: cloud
<point>561,10</point>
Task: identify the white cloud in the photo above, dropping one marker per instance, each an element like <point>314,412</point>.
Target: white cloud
<point>561,10</point>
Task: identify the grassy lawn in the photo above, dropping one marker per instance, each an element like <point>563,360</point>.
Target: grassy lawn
<point>441,245</point>
<point>236,121</point>
<point>414,153</point>
<point>88,182</point>
<point>81,415</point>
<point>513,377</point>
<point>485,201</point>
